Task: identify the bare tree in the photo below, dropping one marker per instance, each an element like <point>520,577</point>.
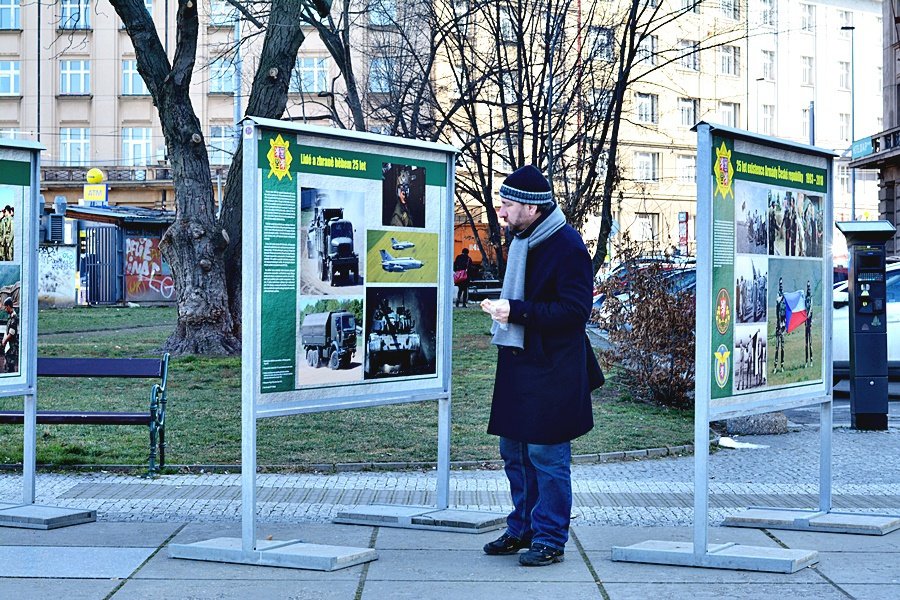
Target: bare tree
<point>197,245</point>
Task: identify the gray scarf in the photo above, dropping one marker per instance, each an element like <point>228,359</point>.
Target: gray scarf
<point>514,282</point>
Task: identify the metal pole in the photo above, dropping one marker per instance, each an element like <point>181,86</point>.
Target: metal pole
<point>237,79</point>
<point>852,120</point>
<point>443,466</point>
<point>812,123</point>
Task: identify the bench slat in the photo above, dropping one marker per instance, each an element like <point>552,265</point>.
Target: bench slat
<point>99,367</point>
<point>51,417</point>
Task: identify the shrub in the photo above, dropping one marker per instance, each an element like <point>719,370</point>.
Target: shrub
<point>650,327</point>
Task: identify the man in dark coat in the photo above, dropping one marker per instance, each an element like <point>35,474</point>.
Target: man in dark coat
<point>545,367</point>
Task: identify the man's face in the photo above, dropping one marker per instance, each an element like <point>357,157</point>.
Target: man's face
<point>517,215</point>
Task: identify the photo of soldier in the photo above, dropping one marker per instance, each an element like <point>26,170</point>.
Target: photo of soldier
<point>403,195</point>
<point>810,222</point>
<point>750,360</point>
<point>751,224</point>
<point>7,234</point>
<point>10,341</point>
<point>794,331</point>
<point>750,288</point>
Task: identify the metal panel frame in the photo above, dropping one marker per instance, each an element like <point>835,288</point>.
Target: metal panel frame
<point>740,557</point>
<point>251,410</point>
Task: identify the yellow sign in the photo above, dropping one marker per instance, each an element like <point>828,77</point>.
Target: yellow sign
<point>279,158</point>
<point>95,192</point>
<point>724,172</point>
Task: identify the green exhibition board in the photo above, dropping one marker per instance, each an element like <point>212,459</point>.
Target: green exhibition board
<point>768,279</point>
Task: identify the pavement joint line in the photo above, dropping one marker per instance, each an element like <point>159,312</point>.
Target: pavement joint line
<point>365,570</point>
<point>589,564</point>
<point>148,559</point>
<point>778,541</point>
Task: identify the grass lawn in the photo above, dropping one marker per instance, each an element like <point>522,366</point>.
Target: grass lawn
<point>204,418</point>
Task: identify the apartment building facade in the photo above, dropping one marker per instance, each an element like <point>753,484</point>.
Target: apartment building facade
<point>789,73</point>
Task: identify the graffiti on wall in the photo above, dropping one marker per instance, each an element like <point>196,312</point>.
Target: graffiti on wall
<point>148,277</point>
<point>57,275</point>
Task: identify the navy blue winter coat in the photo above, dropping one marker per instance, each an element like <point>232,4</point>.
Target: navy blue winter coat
<point>542,394</point>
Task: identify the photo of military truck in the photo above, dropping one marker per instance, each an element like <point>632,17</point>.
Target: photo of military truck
<point>329,339</point>
<point>332,234</point>
<point>330,244</point>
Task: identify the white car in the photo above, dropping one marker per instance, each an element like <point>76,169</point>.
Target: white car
<point>840,347</point>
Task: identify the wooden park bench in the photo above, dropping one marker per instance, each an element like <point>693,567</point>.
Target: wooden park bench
<point>127,368</point>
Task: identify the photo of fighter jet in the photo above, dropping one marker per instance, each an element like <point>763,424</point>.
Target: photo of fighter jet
<point>399,264</point>
<point>401,245</point>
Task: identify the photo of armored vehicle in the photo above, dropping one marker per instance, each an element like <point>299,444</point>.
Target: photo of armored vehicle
<point>329,338</point>
<point>393,343</point>
<point>330,244</point>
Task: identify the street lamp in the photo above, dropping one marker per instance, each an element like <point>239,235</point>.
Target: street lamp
<point>852,30</point>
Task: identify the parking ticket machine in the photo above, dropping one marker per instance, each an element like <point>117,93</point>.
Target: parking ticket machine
<point>868,322</point>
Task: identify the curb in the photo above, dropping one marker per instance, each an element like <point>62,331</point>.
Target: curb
<point>334,468</point>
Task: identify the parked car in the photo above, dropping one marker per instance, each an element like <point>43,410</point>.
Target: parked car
<point>840,333</point>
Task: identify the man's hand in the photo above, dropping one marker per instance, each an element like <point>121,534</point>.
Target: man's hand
<point>499,310</point>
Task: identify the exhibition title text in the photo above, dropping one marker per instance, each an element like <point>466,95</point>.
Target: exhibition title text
<point>778,173</point>
<point>332,162</point>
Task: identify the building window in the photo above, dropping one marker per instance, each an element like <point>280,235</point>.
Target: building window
<point>843,75</point>
<point>687,168</point>
<point>647,108</point>
<point>646,50</point>
<point>75,14</point>
<point>844,121</point>
<point>646,166</point>
<point>9,14</point>
<point>879,81</point>
<point>507,26</point>
<point>844,178</point>
<point>135,146</point>
<point>730,8</point>
<point>768,119</point>
<point>804,122</point>
<point>687,111</point>
<point>767,13</point>
<point>600,43</point>
<point>310,75</point>
<point>508,92</point>
<point>689,55</point>
<point>845,18</point>
<point>75,77</point>
<point>808,66</point>
<point>9,78</point>
<point>132,83</point>
<point>807,18</point>
<point>380,75</point>
<point>382,12</point>
<point>691,6</point>
<point>646,227</point>
<point>729,113</point>
<point>599,101</point>
<point>221,13</point>
<point>221,76</point>
<point>729,60</point>
<point>768,65</point>
<point>74,146</point>
<point>220,144</point>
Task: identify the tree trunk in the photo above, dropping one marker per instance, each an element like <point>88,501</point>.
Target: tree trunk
<point>193,245</point>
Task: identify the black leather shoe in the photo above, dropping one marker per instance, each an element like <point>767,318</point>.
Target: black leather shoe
<point>541,555</point>
<point>505,544</point>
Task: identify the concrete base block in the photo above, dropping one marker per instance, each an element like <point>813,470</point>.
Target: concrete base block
<point>422,517</point>
<point>719,556</point>
<point>811,520</point>
<point>291,554</point>
<point>35,516</point>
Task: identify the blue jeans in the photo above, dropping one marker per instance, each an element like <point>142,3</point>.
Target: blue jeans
<point>541,487</point>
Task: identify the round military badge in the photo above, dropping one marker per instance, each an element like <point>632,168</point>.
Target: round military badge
<point>723,311</point>
<point>723,364</point>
